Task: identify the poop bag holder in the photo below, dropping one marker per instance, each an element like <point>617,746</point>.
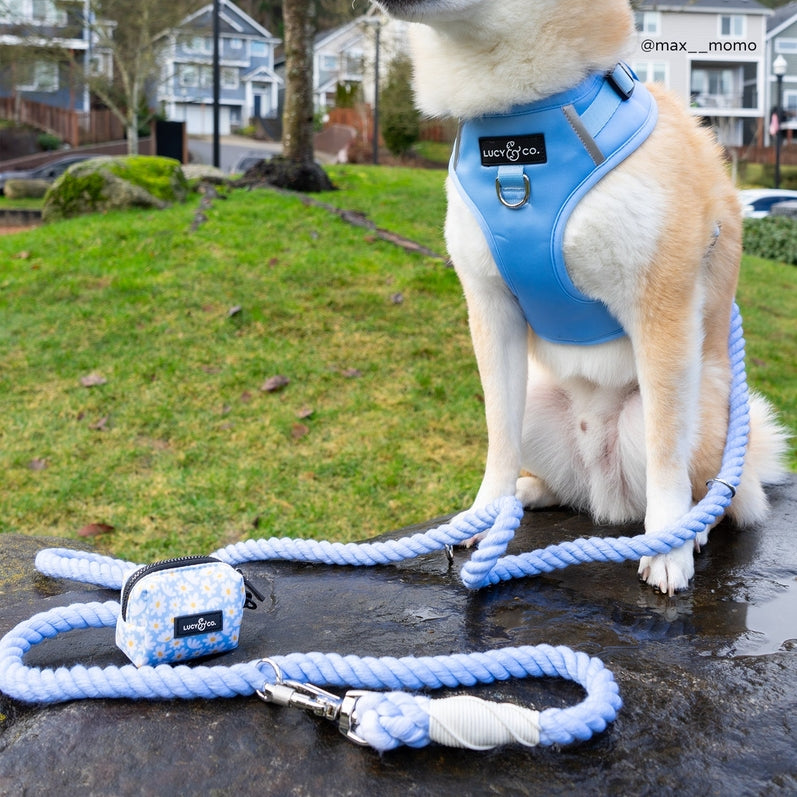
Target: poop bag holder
<point>180,609</point>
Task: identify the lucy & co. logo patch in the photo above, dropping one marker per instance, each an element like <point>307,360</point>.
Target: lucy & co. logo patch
<point>193,624</point>
<point>509,150</point>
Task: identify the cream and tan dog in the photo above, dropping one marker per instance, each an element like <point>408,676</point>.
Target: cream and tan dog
<point>631,428</point>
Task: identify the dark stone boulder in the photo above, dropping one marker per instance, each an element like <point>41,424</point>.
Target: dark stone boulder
<point>708,678</point>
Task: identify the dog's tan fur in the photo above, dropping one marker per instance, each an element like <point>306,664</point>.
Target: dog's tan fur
<point>634,428</point>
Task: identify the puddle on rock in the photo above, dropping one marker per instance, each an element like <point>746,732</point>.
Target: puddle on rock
<point>769,625</point>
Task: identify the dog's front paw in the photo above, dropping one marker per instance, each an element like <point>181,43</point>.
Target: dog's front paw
<point>669,572</point>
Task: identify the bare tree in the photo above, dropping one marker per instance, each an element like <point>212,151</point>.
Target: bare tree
<point>133,44</point>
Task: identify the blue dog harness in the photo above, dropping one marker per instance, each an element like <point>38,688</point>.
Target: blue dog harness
<point>523,172</point>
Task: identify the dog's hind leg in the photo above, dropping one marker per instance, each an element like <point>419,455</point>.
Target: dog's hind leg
<point>534,493</point>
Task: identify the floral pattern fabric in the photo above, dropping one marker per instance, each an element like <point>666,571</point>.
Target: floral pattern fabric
<point>181,613</point>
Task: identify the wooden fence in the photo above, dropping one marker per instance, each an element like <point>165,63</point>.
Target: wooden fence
<point>75,128</point>
<point>788,153</point>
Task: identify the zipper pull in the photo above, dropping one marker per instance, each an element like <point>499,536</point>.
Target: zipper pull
<point>251,592</point>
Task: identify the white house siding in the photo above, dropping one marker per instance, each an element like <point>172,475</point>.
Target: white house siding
<point>719,73</point>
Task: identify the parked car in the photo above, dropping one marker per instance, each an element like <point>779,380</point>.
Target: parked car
<point>49,171</point>
<point>758,202</point>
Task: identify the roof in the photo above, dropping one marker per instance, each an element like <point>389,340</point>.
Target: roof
<point>708,6</point>
<point>232,20</point>
<point>781,19</point>
<point>262,73</point>
<point>355,26</point>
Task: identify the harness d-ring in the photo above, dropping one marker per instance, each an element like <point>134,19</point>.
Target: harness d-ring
<point>513,205</point>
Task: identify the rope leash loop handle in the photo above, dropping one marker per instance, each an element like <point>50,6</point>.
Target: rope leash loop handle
<point>388,720</point>
<point>384,720</point>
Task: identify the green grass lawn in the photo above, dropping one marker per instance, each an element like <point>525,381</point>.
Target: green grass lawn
<point>180,449</point>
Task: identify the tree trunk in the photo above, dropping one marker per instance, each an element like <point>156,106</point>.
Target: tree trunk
<point>296,169</point>
<point>297,119</point>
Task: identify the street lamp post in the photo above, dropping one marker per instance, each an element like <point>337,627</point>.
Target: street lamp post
<point>376,24</point>
<point>216,84</point>
<point>376,96</point>
<point>779,66</point>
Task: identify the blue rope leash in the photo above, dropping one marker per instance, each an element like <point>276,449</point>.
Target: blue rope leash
<point>385,719</point>
<point>556,726</point>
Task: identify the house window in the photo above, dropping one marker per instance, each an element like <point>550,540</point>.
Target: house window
<point>36,12</point>
<point>714,88</point>
<point>329,62</point>
<point>202,45</point>
<point>39,76</point>
<point>259,49</point>
<point>786,46</point>
<point>101,64</point>
<point>732,26</point>
<point>653,72</point>
<point>229,78</point>
<point>354,62</point>
<point>40,10</point>
<point>648,22</point>
<point>236,44</point>
<point>188,75</point>
<point>206,77</point>
<point>790,101</point>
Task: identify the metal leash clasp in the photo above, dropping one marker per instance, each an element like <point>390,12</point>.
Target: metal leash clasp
<point>313,699</point>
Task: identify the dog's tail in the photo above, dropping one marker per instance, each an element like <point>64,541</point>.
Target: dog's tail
<point>764,463</point>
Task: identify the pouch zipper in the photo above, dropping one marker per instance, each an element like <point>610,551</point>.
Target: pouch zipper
<point>164,564</point>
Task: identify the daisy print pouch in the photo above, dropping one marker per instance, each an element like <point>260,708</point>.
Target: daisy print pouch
<point>180,609</point>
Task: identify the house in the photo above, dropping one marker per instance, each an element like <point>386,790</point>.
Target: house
<point>339,59</point>
<point>713,54</point>
<point>35,24</point>
<point>346,56</point>
<point>782,41</point>
<point>249,86</point>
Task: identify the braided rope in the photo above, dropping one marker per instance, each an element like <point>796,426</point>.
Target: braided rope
<point>386,720</point>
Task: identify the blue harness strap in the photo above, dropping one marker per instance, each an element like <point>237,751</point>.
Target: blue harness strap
<point>523,172</point>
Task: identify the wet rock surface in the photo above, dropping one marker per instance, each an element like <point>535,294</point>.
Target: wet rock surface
<point>708,678</point>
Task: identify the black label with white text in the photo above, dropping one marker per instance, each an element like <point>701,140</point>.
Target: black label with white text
<point>510,150</point>
<point>193,624</point>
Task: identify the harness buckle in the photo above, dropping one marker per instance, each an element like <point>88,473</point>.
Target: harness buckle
<point>621,79</point>
<point>313,699</point>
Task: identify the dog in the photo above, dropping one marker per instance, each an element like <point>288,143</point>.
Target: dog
<point>632,427</point>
